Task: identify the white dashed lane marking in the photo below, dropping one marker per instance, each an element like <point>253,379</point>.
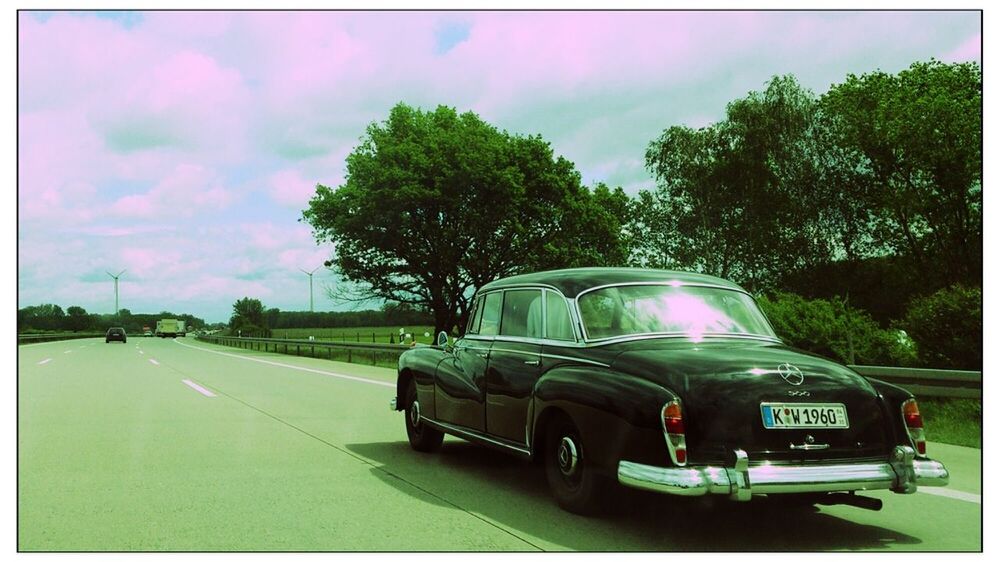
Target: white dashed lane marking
<point>154,362</point>
<point>44,361</point>
<point>199,388</point>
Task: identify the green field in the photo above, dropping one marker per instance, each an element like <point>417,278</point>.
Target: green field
<point>958,421</point>
<point>365,334</point>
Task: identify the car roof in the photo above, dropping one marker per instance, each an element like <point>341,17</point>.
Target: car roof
<point>572,282</point>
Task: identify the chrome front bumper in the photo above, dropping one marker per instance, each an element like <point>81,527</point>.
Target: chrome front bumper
<point>901,473</point>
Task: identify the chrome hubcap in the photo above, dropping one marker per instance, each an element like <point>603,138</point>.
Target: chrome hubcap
<point>415,414</point>
<point>567,456</point>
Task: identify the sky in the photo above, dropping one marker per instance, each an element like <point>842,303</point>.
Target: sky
<point>182,147</point>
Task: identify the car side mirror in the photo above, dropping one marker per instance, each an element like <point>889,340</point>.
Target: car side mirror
<point>442,339</point>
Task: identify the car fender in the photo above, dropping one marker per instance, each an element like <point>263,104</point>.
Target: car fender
<point>891,398</point>
<point>418,364</point>
<point>617,414</point>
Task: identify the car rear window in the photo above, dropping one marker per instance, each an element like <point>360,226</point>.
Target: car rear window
<point>694,311</point>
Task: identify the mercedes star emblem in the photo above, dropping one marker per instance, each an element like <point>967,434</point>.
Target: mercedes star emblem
<point>791,374</point>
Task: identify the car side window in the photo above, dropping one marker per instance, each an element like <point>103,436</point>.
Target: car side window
<point>490,324</point>
<point>522,313</point>
<point>475,316</point>
<point>558,324</point>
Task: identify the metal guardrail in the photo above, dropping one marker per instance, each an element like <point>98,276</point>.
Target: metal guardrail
<point>354,351</point>
<point>922,382</point>
<point>929,382</point>
<point>39,338</point>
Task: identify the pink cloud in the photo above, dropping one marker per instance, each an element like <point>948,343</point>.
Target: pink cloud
<point>190,189</point>
<point>289,188</point>
<point>970,50</point>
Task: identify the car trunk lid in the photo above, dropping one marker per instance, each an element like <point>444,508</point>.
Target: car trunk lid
<point>723,385</point>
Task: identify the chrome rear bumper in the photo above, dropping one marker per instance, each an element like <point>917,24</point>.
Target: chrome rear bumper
<point>901,473</point>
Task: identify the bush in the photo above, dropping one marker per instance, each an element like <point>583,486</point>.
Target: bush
<point>830,328</point>
<point>947,327</point>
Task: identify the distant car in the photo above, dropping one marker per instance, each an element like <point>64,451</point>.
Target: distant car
<point>117,334</point>
<point>664,381</point>
<point>147,334</point>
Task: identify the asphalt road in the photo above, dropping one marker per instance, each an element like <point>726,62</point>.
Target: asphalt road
<point>182,445</point>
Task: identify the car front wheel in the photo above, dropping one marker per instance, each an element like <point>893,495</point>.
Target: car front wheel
<point>422,437</point>
<point>572,477</point>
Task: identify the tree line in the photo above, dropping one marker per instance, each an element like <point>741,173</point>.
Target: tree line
<point>250,316</point>
<point>52,318</point>
<point>870,193</point>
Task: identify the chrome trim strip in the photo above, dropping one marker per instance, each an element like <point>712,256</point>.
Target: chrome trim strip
<point>618,339</point>
<point>473,435</point>
<point>549,355</point>
<point>676,335</point>
<point>774,479</point>
<point>576,359</point>
<point>477,337</point>
<point>484,290</point>
<point>808,447</point>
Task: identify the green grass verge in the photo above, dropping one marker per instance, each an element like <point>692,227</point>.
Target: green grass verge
<point>364,334</point>
<point>956,421</point>
<point>375,358</point>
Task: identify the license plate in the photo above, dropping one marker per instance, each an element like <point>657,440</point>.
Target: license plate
<point>780,415</point>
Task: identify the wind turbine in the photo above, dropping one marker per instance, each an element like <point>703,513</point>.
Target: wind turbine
<point>115,277</point>
<point>310,274</point>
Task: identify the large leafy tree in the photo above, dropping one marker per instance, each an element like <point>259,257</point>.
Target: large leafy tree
<point>248,316</point>
<point>740,198</point>
<point>913,140</point>
<point>437,203</point>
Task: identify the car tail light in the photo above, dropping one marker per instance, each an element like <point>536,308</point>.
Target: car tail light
<point>915,426</point>
<point>672,418</point>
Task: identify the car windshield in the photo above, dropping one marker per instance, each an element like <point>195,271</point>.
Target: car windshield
<point>693,311</point>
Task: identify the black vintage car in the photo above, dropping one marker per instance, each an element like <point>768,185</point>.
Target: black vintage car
<point>660,380</point>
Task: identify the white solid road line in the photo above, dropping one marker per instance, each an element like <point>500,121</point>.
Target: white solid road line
<point>199,388</point>
<point>953,494</point>
<point>153,361</point>
<point>44,361</point>
<point>297,368</point>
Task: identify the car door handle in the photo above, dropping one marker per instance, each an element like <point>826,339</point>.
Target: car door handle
<point>533,362</point>
<point>483,354</point>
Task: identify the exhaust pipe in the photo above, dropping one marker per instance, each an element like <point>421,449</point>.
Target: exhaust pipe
<point>864,502</point>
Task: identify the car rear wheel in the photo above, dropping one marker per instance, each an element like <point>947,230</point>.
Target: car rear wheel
<point>422,437</point>
<point>575,482</point>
